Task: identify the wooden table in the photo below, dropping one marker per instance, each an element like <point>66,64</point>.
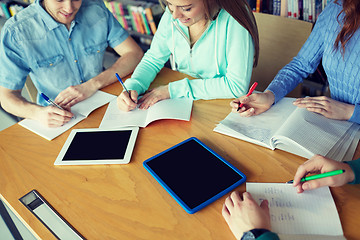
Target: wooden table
<point>124,201</point>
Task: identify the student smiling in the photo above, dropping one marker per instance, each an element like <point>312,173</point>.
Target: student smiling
<point>61,45</point>
<point>216,42</point>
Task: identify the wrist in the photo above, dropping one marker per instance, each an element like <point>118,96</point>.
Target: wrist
<point>270,97</point>
<point>350,176</point>
<point>254,233</point>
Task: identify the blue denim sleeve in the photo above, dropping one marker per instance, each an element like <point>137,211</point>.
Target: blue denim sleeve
<point>13,70</point>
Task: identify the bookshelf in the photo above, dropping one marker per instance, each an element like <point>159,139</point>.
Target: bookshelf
<point>139,17</point>
<point>306,10</point>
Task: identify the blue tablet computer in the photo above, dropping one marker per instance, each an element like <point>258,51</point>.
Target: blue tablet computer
<point>193,174</point>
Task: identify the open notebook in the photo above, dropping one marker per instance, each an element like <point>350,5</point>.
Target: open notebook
<point>178,108</point>
<point>80,110</point>
<point>310,215</point>
<point>295,130</point>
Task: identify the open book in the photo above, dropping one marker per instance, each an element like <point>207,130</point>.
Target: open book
<point>80,110</point>
<point>309,215</point>
<point>179,108</point>
<point>292,129</point>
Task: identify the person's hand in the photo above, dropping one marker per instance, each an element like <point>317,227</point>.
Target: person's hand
<point>319,164</point>
<point>254,104</point>
<point>74,94</point>
<point>327,107</point>
<point>245,214</point>
<point>52,116</point>
<point>153,96</point>
<point>126,102</point>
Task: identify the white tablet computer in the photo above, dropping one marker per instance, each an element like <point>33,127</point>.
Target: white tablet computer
<point>98,146</point>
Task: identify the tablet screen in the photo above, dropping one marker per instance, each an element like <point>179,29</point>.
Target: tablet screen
<point>194,174</point>
<point>97,146</point>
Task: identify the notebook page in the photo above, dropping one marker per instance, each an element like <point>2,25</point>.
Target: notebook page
<point>261,127</point>
<point>263,141</point>
<point>50,133</point>
<point>88,105</point>
<point>179,109</point>
<point>114,117</point>
<point>310,213</point>
<point>313,131</point>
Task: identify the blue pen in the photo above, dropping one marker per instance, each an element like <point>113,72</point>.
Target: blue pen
<point>47,99</point>
<point>119,78</point>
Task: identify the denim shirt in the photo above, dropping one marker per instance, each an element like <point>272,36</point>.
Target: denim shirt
<point>33,43</point>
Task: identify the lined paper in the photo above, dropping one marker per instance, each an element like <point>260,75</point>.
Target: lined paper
<point>310,213</point>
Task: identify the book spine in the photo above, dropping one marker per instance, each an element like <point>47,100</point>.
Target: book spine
<point>283,8</point>
<point>289,8</point>
<point>258,5</point>
<point>311,10</point>
<point>144,20</point>
<point>150,19</point>
<point>122,16</point>
<point>131,17</point>
<point>113,11</point>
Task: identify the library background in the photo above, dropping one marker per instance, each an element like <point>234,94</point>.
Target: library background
<point>141,17</point>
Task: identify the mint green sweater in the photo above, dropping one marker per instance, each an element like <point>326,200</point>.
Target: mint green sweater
<point>221,60</point>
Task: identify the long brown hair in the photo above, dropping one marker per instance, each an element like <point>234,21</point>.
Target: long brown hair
<point>351,23</point>
<point>240,11</point>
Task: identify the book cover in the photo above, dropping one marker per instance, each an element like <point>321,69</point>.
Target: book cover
<point>150,19</point>
<point>144,20</point>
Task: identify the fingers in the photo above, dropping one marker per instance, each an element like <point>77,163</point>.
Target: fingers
<point>319,164</point>
<point>265,205</point>
<point>153,96</point>
<point>321,105</point>
<point>312,165</point>
<point>72,95</point>
<point>55,117</point>
<point>125,103</point>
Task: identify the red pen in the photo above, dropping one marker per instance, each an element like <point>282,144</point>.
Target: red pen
<point>249,93</point>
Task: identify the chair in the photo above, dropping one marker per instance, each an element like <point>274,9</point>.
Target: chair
<point>31,90</point>
<point>280,40</point>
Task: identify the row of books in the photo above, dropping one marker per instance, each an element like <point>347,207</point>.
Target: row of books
<point>307,10</point>
<point>141,17</point>
<point>9,9</point>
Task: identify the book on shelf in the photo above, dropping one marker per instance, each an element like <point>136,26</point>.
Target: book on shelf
<point>307,10</point>
<point>138,16</point>
<point>296,130</point>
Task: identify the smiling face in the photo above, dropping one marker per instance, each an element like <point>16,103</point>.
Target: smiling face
<point>189,12</point>
<point>62,11</point>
